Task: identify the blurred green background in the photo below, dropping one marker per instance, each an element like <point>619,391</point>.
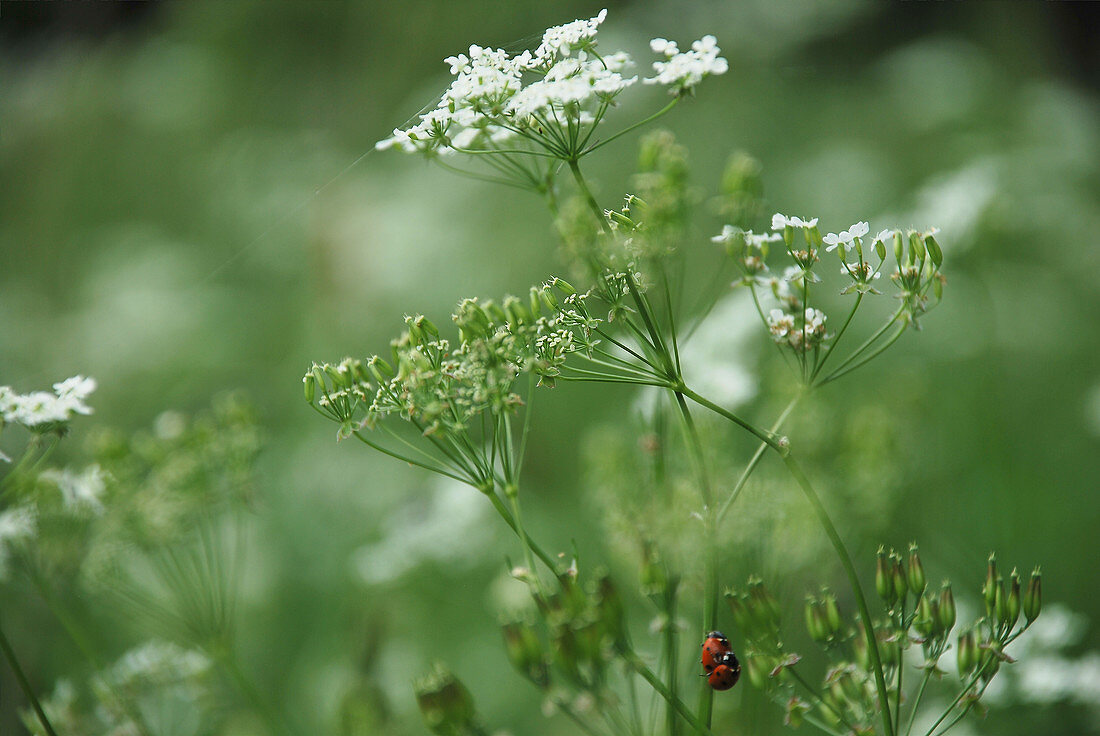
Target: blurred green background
<point>192,205</point>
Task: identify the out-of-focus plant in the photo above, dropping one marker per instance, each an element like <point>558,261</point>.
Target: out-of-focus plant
<point>463,407</point>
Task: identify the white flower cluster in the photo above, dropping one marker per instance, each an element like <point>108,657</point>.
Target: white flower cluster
<point>79,491</point>
<point>17,525</point>
<point>40,408</point>
<point>801,332</point>
<point>550,98</point>
<point>683,70</point>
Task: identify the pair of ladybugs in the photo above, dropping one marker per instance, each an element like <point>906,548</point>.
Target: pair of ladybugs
<point>719,661</point>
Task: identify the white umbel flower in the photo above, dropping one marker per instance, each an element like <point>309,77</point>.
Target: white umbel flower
<point>846,238</point>
<point>780,221</point>
<point>683,70</point>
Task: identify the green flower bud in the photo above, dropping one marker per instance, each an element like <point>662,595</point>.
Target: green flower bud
<point>1000,602</point>
<point>899,248</point>
<point>1033,599</point>
<point>610,609</point>
<point>884,585</point>
<point>813,624</point>
<point>934,250</point>
<point>525,653</point>
<point>989,589</point>
<point>915,571</point>
<point>564,286</point>
<point>925,621</point>
<point>859,646</point>
<point>310,382</point>
<point>1012,604</point>
<point>967,654</point>
<point>901,581</point>
<point>947,612</point>
<point>832,613</point>
<point>445,703</point>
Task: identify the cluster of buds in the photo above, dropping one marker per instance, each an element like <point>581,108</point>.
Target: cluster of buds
<point>823,619</point>
<point>584,625</point>
<point>918,258</point>
<point>757,615</point>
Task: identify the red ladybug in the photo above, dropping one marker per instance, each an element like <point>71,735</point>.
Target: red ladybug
<point>714,646</point>
<point>725,672</point>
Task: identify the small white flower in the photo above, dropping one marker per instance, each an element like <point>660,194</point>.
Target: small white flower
<point>884,236</point>
<point>684,70</point>
<point>859,271</point>
<point>780,221</point>
<point>780,323</point>
<point>846,238</point>
<point>727,234</point>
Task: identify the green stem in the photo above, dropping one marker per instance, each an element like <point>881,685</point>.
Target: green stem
<point>867,358</point>
<point>754,462</point>
<point>629,128</point>
<point>640,667</point>
<point>857,588</point>
<point>768,438</point>
<point>868,342</point>
<point>916,701</point>
<point>587,193</point>
<point>671,658</point>
<point>25,685</point>
<point>567,709</point>
<point>507,516</point>
<point>840,334</point>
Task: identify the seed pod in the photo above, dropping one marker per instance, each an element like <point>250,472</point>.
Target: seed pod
<point>525,652</point>
<point>445,703</point>
<point>815,622</point>
<point>832,613</point>
<point>967,654</point>
<point>925,621</point>
<point>884,585</point>
<point>989,589</point>
<point>947,612</point>
<point>1012,605</point>
<point>915,571</point>
<point>901,582</point>
<point>1033,600</point>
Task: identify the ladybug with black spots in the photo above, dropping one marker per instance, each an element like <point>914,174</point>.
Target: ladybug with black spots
<point>726,672</point>
<point>714,646</point>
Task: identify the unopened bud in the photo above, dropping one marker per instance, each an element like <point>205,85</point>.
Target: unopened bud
<point>915,571</point>
<point>310,383</point>
<point>947,612</point>
<point>968,653</point>
<point>445,703</point>
<point>1000,602</point>
<point>525,652</point>
<point>610,608</point>
<point>1033,599</point>
<point>832,613</point>
<point>901,581</point>
<point>989,589</point>
<point>1012,605</point>
<point>925,621</point>
<point>815,620</point>
<point>884,585</point>
<point>757,670</point>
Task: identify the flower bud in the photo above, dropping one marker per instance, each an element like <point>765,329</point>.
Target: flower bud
<point>901,581</point>
<point>947,612</point>
<point>564,286</point>
<point>1000,602</point>
<point>610,609</point>
<point>915,571</point>
<point>814,622</point>
<point>1033,599</point>
<point>310,383</point>
<point>832,613</point>
<point>925,621</point>
<point>968,653</point>
<point>884,585</point>
<point>445,703</point>
<point>934,250</point>
<point>899,248</point>
<point>525,652</point>
<point>1012,604</point>
<point>989,589</point>
<point>757,670</point>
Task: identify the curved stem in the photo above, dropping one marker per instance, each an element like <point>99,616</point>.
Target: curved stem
<point>916,701</point>
<point>25,685</point>
<point>757,456</point>
<point>865,359</point>
<point>547,560</point>
<point>840,334</point>
<point>853,580</point>
<point>629,128</point>
<point>769,438</point>
<point>587,193</point>
<point>640,667</point>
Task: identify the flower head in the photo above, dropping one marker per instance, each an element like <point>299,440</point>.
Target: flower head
<point>846,238</point>
<point>683,70</point>
<point>780,221</point>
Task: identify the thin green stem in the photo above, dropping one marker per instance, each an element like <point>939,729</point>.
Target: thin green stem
<point>817,696</point>
<point>916,701</point>
<point>582,185</point>
<point>853,580</point>
<point>505,514</point>
<point>640,667</point>
<point>757,456</point>
<point>25,685</point>
<point>567,709</point>
<point>671,658</point>
<point>840,334</point>
<point>865,359</point>
<point>629,128</point>
<point>769,438</point>
<point>868,342</point>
